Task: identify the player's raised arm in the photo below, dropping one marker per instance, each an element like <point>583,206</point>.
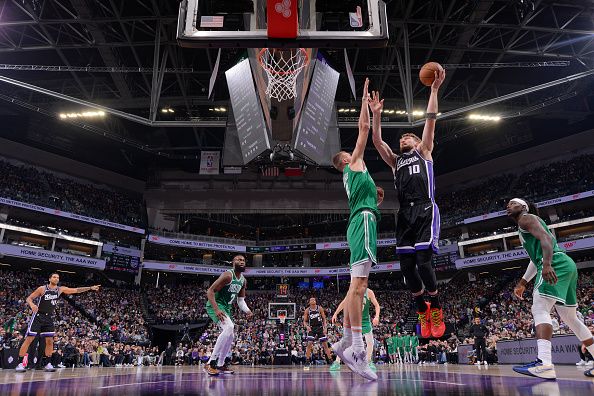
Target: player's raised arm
<point>357,156</point>
<point>382,147</point>
<point>426,147</point>
<point>77,290</point>
<point>221,282</point>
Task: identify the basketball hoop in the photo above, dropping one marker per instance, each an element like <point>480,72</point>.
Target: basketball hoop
<point>282,67</point>
<point>282,317</point>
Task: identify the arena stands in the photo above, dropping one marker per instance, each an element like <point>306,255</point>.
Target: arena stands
<point>31,185</point>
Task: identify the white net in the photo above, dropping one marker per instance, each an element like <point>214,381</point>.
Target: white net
<point>282,67</point>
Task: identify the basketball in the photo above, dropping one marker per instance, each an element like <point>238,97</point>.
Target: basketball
<point>427,73</point>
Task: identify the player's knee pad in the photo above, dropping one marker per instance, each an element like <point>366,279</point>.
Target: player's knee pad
<point>408,266</point>
<point>541,310</point>
<point>569,316</point>
<point>423,258</point>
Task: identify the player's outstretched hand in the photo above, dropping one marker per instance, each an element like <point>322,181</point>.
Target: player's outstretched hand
<point>334,319</point>
<point>249,314</point>
<point>375,321</point>
<point>375,103</point>
<point>519,291</point>
<point>439,78</point>
<point>95,288</point>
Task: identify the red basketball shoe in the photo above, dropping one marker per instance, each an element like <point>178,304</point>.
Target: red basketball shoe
<point>424,321</point>
<point>437,325</point>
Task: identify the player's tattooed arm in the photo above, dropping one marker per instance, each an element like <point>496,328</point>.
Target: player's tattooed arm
<point>77,290</point>
<point>531,224</point>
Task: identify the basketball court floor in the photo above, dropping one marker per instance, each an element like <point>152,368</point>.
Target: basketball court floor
<point>407,380</point>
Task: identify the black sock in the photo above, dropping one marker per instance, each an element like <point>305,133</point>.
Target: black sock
<point>421,304</point>
<point>21,358</point>
<point>213,363</point>
<point>434,301</point>
<point>44,361</point>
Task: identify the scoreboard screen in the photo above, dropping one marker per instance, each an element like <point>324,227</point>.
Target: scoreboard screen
<point>118,258</point>
<point>282,290</point>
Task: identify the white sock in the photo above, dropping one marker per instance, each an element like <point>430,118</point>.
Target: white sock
<point>544,351</point>
<point>347,337</point>
<point>358,344</point>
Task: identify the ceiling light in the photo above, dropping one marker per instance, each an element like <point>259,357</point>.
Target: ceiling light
<point>418,113</point>
<point>84,114</point>
<point>353,110</point>
<point>483,117</point>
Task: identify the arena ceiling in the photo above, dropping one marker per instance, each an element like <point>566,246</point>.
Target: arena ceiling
<point>111,53</point>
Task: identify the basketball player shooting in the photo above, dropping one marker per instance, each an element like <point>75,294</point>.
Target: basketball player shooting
<point>417,228</point>
<point>556,286</point>
<point>362,239</point>
<point>316,323</point>
<point>230,285</point>
<point>43,303</point>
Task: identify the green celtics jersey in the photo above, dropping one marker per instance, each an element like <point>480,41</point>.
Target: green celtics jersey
<point>532,244</point>
<point>361,192</point>
<point>397,342</point>
<point>406,341</point>
<point>390,344</point>
<point>228,293</point>
<point>414,341</point>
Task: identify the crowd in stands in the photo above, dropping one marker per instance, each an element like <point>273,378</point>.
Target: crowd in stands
<point>108,328</point>
<point>30,185</point>
<point>552,180</point>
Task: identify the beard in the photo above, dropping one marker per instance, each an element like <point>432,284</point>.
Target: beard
<point>239,268</point>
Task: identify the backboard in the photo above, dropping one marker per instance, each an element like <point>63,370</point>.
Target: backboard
<point>245,23</point>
